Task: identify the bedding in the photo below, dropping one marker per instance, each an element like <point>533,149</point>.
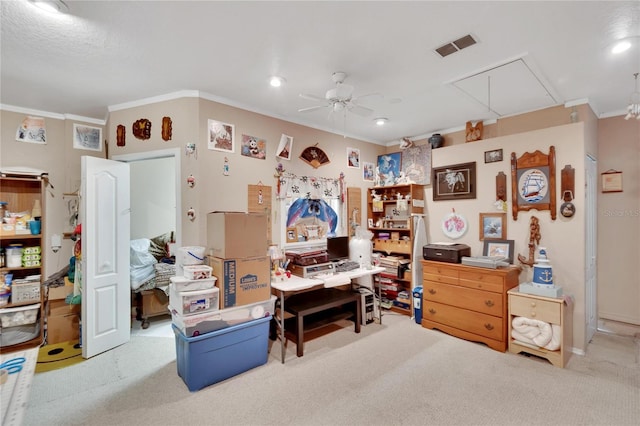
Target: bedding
<point>149,263</point>
<point>537,333</point>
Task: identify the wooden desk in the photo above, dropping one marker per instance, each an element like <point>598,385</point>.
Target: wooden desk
<point>295,284</point>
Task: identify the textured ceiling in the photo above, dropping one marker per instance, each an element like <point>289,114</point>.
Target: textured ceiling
<point>528,55</point>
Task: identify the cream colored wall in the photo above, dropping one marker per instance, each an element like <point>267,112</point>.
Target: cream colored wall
<point>563,238</point>
<point>213,190</point>
<point>61,161</point>
<point>619,222</point>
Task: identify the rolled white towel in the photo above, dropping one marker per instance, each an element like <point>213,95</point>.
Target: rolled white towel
<point>556,338</point>
<point>531,331</point>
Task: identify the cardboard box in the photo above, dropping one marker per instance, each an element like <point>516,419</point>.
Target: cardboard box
<point>242,281</point>
<point>212,357</point>
<point>236,235</point>
<point>61,292</point>
<point>63,328</point>
<point>59,307</point>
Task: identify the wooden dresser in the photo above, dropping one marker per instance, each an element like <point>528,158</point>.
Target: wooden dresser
<point>467,301</point>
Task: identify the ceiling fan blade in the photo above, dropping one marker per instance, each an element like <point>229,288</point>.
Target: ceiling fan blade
<point>313,108</point>
<point>312,97</point>
<point>360,110</point>
<point>368,95</point>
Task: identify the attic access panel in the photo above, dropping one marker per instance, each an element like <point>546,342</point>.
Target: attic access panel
<point>508,89</point>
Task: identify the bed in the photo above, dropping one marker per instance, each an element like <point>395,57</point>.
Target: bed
<point>150,270</point>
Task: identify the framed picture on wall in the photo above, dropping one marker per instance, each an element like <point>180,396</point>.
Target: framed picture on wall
<point>284,147</point>
<point>368,171</point>
<point>87,137</point>
<point>455,182</point>
<point>353,158</point>
<point>221,136</point>
<point>493,226</point>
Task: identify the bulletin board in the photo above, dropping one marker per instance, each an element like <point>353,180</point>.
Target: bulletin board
<point>260,202</point>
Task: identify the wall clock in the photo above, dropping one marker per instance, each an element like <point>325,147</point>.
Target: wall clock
<point>533,182</point>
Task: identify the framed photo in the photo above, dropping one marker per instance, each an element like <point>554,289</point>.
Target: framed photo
<point>612,181</point>
<point>370,222</point>
<point>220,136</point>
<point>454,182</point>
<point>284,147</point>
<point>254,147</point>
<point>389,167</point>
<point>502,248</point>
<point>291,235</point>
<point>353,158</point>
<point>87,137</point>
<point>493,156</point>
<point>368,171</point>
<point>533,182</point>
<point>493,226</point>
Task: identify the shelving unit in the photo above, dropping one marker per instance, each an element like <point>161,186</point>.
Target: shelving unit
<point>392,226</point>
<point>20,193</point>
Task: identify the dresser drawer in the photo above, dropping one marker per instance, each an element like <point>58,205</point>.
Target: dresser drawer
<point>463,319</point>
<point>475,300</point>
<point>482,281</point>
<point>529,307</point>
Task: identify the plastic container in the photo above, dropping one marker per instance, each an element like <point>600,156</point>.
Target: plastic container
<point>197,272</point>
<point>4,298</point>
<point>192,255</point>
<point>11,317</point>
<point>193,302</point>
<point>14,256</point>
<point>206,322</point>
<point>417,304</point>
<point>213,357</point>
<point>184,284</point>
<point>25,292</point>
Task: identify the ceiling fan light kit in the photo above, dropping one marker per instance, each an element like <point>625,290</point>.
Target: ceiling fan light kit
<point>381,121</point>
<point>633,110</point>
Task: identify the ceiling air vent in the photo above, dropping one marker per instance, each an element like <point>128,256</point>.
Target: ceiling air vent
<point>454,46</point>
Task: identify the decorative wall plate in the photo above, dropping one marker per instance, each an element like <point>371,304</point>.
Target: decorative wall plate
<point>142,129</point>
<point>167,128</point>
<point>454,225</point>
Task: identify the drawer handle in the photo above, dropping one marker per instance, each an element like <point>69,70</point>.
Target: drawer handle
<point>432,311</point>
<point>533,304</point>
<point>488,326</point>
<point>489,303</point>
<point>431,291</point>
<point>533,314</point>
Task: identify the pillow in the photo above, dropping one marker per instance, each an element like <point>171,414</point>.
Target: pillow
<point>158,247</point>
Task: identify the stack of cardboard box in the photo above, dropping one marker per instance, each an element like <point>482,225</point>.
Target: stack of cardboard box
<point>63,319</point>
<point>237,244</point>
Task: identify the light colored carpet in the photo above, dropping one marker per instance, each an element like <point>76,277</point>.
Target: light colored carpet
<point>397,373</point>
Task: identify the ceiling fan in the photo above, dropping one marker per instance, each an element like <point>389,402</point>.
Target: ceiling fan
<point>338,99</point>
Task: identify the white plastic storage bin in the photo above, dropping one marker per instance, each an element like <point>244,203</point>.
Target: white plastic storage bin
<point>197,272</point>
<point>22,315</point>
<point>206,322</point>
<point>193,302</point>
<point>185,284</point>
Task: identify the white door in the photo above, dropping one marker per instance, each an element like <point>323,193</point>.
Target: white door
<point>591,232</point>
<point>106,292</point>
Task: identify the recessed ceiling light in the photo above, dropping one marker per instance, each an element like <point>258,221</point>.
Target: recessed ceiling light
<point>53,6</point>
<point>621,46</point>
<point>381,121</point>
<point>276,81</point>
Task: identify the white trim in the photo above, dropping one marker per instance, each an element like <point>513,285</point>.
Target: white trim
<point>155,99</point>
<point>55,115</point>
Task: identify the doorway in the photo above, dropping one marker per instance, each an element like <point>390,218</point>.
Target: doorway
<point>591,233</point>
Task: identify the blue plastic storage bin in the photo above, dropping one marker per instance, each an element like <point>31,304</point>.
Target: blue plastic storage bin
<point>212,357</point>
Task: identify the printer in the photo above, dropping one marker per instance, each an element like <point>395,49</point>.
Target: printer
<point>451,253</point>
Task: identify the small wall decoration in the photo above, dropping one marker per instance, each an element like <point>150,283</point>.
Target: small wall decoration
<point>190,149</point>
<point>284,147</point>
<point>612,181</point>
<point>142,129</point>
<point>388,170</point>
<point>120,135</point>
<point>87,137</point>
<point>454,182</point>
<point>221,136</point>
<point>534,239</point>
<point>225,167</point>
<point>501,187</point>
<point>167,128</point>
<point>474,132</point>
<point>416,164</point>
<point>291,234</point>
<point>493,156</point>
<point>368,171</point>
<point>353,158</point>
<point>454,225</point>
<point>314,156</point>
<point>191,214</point>
<point>493,226</point>
<point>191,181</point>
<point>533,182</point>
<point>500,248</point>
<point>32,130</point>
<point>254,147</point>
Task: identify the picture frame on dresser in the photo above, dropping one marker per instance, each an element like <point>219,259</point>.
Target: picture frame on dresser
<point>503,248</point>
